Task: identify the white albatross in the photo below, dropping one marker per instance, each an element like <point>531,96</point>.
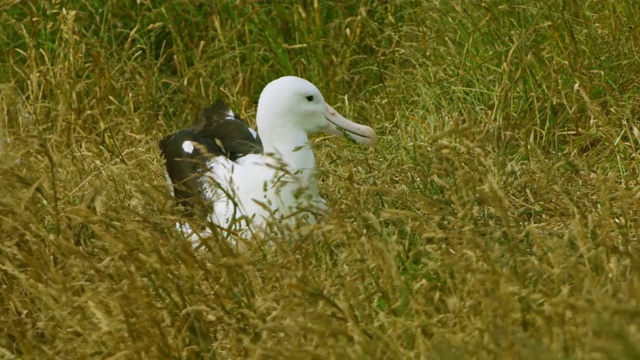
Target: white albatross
<point>246,179</point>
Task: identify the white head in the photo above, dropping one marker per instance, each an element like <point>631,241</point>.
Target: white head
<point>290,108</point>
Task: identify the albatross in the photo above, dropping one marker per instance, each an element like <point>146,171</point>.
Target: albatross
<point>247,179</point>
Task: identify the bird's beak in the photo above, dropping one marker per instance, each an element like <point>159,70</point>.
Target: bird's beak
<point>339,125</point>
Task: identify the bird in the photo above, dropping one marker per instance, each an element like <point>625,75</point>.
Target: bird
<point>245,180</point>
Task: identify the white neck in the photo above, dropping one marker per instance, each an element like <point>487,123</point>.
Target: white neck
<point>292,147</point>
<point>290,143</point>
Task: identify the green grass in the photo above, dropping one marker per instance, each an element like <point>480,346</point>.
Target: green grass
<point>496,219</point>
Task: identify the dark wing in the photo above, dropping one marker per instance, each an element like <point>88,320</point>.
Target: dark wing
<point>185,154</point>
<point>220,132</point>
<point>228,130</point>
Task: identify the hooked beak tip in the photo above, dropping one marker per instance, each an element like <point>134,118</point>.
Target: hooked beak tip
<point>340,125</point>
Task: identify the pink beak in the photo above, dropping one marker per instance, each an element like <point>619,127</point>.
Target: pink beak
<point>339,125</point>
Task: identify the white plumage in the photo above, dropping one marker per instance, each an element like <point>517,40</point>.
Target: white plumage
<point>280,183</point>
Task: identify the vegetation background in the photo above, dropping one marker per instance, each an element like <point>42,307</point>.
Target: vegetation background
<point>497,218</point>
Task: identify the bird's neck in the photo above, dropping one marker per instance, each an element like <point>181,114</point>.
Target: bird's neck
<point>291,147</point>
<point>298,159</point>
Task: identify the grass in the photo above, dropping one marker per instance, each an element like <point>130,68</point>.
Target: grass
<point>497,217</point>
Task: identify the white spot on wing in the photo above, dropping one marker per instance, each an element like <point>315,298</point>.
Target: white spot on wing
<point>187,146</point>
<point>230,115</point>
<point>253,132</point>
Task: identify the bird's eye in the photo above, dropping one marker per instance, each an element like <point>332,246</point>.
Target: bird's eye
<point>310,98</point>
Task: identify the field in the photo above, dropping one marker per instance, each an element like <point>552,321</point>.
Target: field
<point>497,217</point>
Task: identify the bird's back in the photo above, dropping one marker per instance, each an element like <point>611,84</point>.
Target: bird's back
<point>218,134</point>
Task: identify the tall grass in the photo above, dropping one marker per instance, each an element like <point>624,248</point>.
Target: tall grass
<point>497,217</point>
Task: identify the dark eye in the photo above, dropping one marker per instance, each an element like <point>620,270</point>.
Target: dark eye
<point>310,98</point>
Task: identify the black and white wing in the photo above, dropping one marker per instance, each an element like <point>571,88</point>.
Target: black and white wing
<point>218,133</point>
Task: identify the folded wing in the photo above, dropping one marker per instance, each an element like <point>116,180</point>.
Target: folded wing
<point>218,133</point>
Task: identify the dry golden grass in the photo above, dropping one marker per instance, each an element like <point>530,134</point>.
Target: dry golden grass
<point>497,218</point>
